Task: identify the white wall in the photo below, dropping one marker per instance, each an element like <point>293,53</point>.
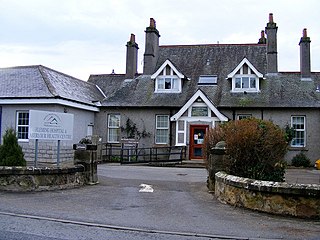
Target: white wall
<point>48,149</point>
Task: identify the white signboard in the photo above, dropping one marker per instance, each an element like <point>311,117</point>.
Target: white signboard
<point>50,125</point>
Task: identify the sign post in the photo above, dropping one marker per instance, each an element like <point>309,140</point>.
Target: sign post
<point>50,126</point>
<point>36,154</point>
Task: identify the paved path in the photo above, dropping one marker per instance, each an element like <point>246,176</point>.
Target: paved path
<point>179,208</point>
<point>304,176</point>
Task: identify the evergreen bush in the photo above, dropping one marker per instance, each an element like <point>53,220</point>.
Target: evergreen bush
<point>301,160</point>
<point>11,152</point>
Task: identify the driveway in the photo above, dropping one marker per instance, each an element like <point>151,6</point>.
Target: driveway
<point>179,207</point>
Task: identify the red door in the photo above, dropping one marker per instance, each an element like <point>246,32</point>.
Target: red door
<point>197,133</point>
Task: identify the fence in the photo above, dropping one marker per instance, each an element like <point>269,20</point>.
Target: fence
<point>129,152</point>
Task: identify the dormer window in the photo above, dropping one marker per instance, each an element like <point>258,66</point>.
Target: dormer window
<point>246,83</point>
<point>167,84</point>
<point>245,78</point>
<point>167,79</point>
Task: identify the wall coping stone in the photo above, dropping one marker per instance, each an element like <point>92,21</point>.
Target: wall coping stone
<point>269,186</point>
<point>16,170</point>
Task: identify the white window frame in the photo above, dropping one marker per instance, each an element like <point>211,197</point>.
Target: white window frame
<point>175,84</point>
<point>181,131</point>
<point>250,74</point>
<point>112,128</point>
<point>298,132</point>
<point>245,89</point>
<point>161,129</point>
<point>19,126</point>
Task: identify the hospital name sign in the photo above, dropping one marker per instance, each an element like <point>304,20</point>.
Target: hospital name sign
<point>50,125</point>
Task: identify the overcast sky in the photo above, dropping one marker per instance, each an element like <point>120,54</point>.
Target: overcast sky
<point>83,37</point>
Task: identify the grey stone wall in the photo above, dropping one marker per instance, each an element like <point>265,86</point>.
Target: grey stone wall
<point>298,200</point>
<point>23,179</point>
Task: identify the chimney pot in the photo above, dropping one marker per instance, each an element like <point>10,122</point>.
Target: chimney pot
<point>304,33</point>
<point>132,38</point>
<point>152,23</point>
<point>270,17</point>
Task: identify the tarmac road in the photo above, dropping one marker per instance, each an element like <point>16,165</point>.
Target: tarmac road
<point>179,208</point>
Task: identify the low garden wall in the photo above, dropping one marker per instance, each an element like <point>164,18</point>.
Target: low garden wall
<point>299,200</point>
<point>23,179</point>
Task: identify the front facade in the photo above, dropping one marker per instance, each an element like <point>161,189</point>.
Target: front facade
<point>186,89</point>
<point>183,91</point>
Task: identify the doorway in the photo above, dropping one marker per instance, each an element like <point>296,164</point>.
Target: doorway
<point>197,133</point>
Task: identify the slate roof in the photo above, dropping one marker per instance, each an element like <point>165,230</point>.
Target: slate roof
<point>192,61</point>
<point>283,90</point>
<point>42,82</point>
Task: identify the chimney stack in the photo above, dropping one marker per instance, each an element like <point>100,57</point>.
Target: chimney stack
<point>152,48</point>
<point>272,54</point>
<point>262,39</point>
<point>132,57</point>
<point>305,64</point>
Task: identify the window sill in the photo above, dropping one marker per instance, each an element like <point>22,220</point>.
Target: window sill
<point>167,91</point>
<point>298,148</point>
<point>161,145</point>
<point>245,91</point>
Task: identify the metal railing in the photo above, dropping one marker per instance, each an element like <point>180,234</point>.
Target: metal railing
<point>131,153</point>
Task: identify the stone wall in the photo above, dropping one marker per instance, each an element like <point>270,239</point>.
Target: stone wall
<point>47,153</point>
<point>299,200</point>
<point>24,179</point>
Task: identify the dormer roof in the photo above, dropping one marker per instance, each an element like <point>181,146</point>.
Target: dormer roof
<point>250,65</point>
<point>162,67</point>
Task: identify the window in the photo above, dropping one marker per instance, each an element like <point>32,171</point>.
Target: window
<point>181,132</point>
<point>167,84</point>
<point>162,129</point>
<point>199,111</point>
<point>207,80</point>
<point>245,80</point>
<point>90,130</point>
<point>245,83</point>
<point>113,128</point>
<point>243,116</point>
<point>298,124</point>
<point>22,127</point>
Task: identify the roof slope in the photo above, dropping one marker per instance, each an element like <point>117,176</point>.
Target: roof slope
<point>42,82</point>
<point>192,61</point>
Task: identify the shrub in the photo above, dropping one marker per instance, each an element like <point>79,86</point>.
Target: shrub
<point>10,152</point>
<point>256,148</point>
<point>301,160</point>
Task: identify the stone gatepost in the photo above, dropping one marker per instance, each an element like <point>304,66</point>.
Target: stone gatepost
<point>218,161</point>
<point>86,155</point>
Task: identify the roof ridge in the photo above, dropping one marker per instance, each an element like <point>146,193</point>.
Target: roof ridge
<point>25,66</point>
<point>47,82</point>
<point>213,45</point>
<point>108,74</point>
